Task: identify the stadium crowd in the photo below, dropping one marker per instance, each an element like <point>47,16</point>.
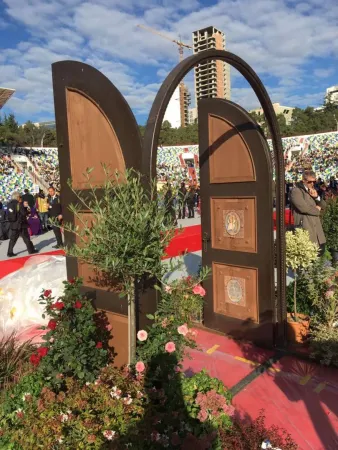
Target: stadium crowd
<point>316,152</point>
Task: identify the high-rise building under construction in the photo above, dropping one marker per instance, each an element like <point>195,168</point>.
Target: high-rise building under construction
<point>212,78</point>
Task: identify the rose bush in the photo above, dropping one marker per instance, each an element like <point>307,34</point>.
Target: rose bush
<point>76,339</point>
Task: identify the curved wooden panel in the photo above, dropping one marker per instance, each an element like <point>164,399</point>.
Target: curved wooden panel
<point>92,140</point>
<point>230,157</point>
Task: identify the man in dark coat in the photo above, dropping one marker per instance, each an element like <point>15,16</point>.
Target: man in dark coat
<point>29,198</point>
<point>191,202</point>
<point>182,200</point>
<point>307,207</point>
<point>55,213</point>
<point>17,212</point>
<point>170,214</point>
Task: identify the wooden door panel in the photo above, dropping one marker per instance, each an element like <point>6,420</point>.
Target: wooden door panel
<point>94,126</point>
<point>236,198</point>
<point>92,140</point>
<point>227,166</point>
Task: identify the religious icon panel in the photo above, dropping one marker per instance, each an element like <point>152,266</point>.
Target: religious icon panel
<point>235,292</point>
<point>233,224</point>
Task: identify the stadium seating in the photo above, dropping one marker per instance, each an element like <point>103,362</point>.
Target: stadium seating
<point>320,151</point>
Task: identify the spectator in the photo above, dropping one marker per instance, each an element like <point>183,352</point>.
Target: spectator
<point>42,209</point>
<point>182,200</point>
<point>55,212</point>
<point>307,207</point>
<point>29,198</point>
<point>17,214</point>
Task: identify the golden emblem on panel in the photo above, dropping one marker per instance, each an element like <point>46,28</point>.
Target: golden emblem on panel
<point>233,223</point>
<point>235,290</point>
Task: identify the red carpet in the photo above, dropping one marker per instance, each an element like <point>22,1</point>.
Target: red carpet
<point>11,265</point>
<point>187,239</point>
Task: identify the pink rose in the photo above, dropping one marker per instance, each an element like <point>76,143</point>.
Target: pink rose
<point>170,347</point>
<point>168,289</point>
<point>142,335</point>
<point>198,290</point>
<point>140,367</point>
<point>183,330</point>
<point>109,327</point>
<point>329,294</point>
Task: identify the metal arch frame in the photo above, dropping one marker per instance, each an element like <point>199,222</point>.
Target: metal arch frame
<point>150,144</point>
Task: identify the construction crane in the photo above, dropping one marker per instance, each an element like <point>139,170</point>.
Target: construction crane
<point>180,44</point>
<point>183,92</point>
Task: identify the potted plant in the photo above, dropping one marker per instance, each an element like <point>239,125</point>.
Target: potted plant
<point>330,226</point>
<point>301,253</point>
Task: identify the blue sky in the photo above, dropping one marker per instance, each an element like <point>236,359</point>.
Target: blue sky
<point>293,45</point>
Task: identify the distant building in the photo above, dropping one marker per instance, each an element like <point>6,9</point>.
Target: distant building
<point>192,115</point>
<point>50,124</point>
<point>173,111</point>
<point>279,109</point>
<point>332,95</point>
<point>212,78</point>
<point>185,100</point>
<point>177,110</point>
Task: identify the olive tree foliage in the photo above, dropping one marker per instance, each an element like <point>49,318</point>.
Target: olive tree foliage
<point>123,234</point>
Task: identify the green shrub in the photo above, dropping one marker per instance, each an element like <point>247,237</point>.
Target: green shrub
<point>324,345</point>
<point>249,435</point>
<point>324,325</point>
<point>86,416</point>
<point>301,253</point>
<point>311,286</point>
<point>76,341</point>
<point>330,224</point>
<point>207,398</point>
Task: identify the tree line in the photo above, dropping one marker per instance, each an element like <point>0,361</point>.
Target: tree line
<point>28,135</point>
<point>304,121</point>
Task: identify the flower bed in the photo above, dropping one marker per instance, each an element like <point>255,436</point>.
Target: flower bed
<point>74,398</point>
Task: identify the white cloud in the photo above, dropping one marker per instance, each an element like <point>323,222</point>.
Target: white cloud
<point>279,38</point>
<point>324,73</point>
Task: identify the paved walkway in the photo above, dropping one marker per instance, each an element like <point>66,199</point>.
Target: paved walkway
<point>44,243</point>
<point>298,395</point>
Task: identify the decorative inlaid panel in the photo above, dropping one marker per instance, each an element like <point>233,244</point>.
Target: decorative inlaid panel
<point>235,291</point>
<point>92,141</point>
<point>233,224</point>
<point>230,159</point>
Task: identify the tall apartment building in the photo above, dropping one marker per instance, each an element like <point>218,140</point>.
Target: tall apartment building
<point>192,115</point>
<point>177,111</point>
<point>212,78</point>
<point>185,100</point>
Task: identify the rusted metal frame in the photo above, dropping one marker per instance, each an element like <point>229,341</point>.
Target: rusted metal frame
<point>152,133</point>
